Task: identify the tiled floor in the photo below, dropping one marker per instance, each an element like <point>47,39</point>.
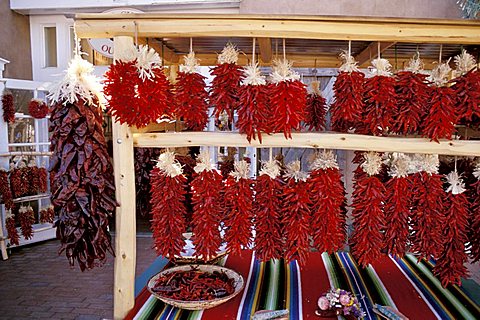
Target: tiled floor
<point>37,283</point>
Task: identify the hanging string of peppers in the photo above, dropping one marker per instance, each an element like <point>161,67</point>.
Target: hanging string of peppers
<point>269,243</point>
<point>474,225</point>
<point>12,231</point>
<point>315,109</point>
<point>327,195</point>
<point>47,214</point>
<point>168,189</point>
<point>239,208</point>
<point>8,106</point>
<point>37,108</point>
<point>5,191</point>
<point>26,216</point>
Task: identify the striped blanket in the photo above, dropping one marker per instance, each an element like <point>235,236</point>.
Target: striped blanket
<point>403,284</point>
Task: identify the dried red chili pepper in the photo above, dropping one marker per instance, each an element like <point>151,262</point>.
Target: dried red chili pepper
<point>427,207</point>
<point>226,83</point>
<point>450,265</point>
<point>315,109</point>
<point>84,194</point>
<point>47,215</point>
<point>412,93</point>
<point>380,99</point>
<point>188,165</point>
<point>19,178</point>
<point>11,228</point>
<point>238,201</point>
<point>168,189</point>
<point>267,208</point>
<point>474,221</point>
<point>289,96</point>
<point>368,201</point>
<point>32,174</point>
<point>5,191</point>
<point>397,206</point>
<point>27,219</point>
<point>37,108</point>
<point>207,209</point>
<point>346,110</point>
<point>8,106</point>
<point>441,116</point>
<point>191,96</point>
<point>42,180</point>
<point>296,214</point>
<point>328,199</point>
<point>254,113</point>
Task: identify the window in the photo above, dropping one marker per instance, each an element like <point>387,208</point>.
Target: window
<point>72,41</point>
<point>50,37</point>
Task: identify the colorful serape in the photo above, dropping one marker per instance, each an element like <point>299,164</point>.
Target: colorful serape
<point>403,284</point>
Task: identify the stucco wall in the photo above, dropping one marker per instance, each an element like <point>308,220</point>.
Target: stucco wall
<point>15,43</point>
<point>380,8</point>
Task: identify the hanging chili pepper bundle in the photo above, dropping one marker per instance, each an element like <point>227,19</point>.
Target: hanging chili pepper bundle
<point>289,96</point>
<point>206,190</point>
<point>467,90</point>
<point>42,174</point>
<point>37,108</point>
<point>296,215</point>
<point>328,199</point>
<point>441,116</point>
<point>380,99</point>
<point>450,265</point>
<point>8,107</point>
<point>226,83</point>
<point>346,110</point>
<point>33,177</point>
<point>412,93</point>
<point>427,206</point>
<point>5,191</point>
<point>238,206</point>
<point>144,161</point>
<point>27,219</point>
<point>254,114</point>
<point>190,94</point>
<point>84,194</point>
<point>474,225</point>
<point>397,206</point>
<point>267,209</point>
<point>11,228</point>
<point>227,163</point>
<point>47,214</point>
<point>315,109</point>
<point>188,165</point>
<point>19,178</point>
<point>168,189</point>
<point>368,216</point>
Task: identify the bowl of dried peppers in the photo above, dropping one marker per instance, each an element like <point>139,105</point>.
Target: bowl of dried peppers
<point>196,287</point>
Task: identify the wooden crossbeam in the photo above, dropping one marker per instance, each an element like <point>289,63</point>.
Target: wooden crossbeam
<point>167,54</point>
<point>299,60</point>
<point>265,45</point>
<point>371,51</point>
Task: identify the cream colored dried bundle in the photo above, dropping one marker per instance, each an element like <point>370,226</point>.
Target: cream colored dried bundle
<point>372,163</point>
<point>204,163</point>
<point>316,88</point>
<point>399,165</point>
<point>190,64</point>
<point>415,65</point>
<point>464,62</point>
<point>241,170</point>
<point>294,172</point>
<point>147,60</point>
<point>9,214</point>
<point>440,74</point>
<point>325,160</point>
<point>253,76</point>
<point>456,185</point>
<point>428,163</point>
<point>476,171</point>
<point>168,165</point>
<point>270,168</point>
<point>382,67</point>
<point>349,64</point>
<point>282,71</point>
<point>229,54</point>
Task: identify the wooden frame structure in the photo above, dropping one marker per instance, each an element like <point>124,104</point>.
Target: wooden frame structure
<point>124,27</point>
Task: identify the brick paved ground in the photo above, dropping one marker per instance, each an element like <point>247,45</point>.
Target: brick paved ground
<point>36,283</point>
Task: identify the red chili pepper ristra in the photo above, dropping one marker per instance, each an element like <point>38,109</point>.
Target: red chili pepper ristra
<point>27,219</point>
<point>380,99</point>
<point>47,215</point>
<point>190,95</point>
<point>397,206</point>
<point>368,201</point>
<point>474,225</point>
<point>328,200</point>
<point>349,88</point>
<point>8,106</point>
<point>315,109</point>
<point>5,191</point>
<point>269,243</point>
<point>450,265</point>
<point>427,207</point>
<point>206,190</point>
<point>226,83</point>
<point>168,189</point>
<point>441,115</point>
<point>11,228</point>
<point>467,90</point>
<point>254,112</point>
<point>18,178</point>
<point>412,93</point>
<point>37,108</point>
<point>296,215</point>
<point>144,160</point>
<point>288,98</point>
<point>239,208</point>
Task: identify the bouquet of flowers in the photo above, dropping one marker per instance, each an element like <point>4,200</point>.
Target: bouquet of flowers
<point>339,302</point>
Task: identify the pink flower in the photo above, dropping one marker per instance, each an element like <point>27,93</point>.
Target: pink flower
<point>344,300</point>
<point>323,303</point>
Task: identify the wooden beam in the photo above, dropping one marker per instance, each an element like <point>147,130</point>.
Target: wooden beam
<point>299,60</point>
<point>371,51</point>
<point>125,238</point>
<point>328,140</point>
<point>308,27</point>
<point>167,54</point>
<point>265,45</point>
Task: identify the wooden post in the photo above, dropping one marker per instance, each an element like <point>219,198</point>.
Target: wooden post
<point>125,238</point>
